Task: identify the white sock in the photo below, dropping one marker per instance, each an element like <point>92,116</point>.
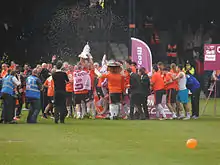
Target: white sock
<point>161,110</point>
<point>83,107</point>
<point>69,110</point>
<point>188,114</point>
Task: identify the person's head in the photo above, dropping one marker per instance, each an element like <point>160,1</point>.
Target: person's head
<point>96,65</point>
<point>38,66</point>
<point>188,65</point>
<point>12,63</point>
<point>78,67</point>
<point>44,66</point>
<point>128,63</point>
<point>26,66</point>
<point>129,70</point>
<point>4,67</point>
<point>18,69</point>
<point>160,66</point>
<point>65,65</point>
<point>166,70</point>
<point>142,71</point>
<point>35,72</point>
<point>70,68</point>
<point>59,64</point>
<point>49,66</point>
<point>13,73</point>
<point>134,64</point>
<point>155,68</point>
<point>173,66</point>
<point>53,70</point>
<point>120,62</point>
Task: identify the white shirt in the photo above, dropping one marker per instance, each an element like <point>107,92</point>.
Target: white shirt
<point>182,81</point>
<point>15,81</point>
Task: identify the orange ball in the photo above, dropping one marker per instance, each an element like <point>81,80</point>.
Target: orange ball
<point>191,143</point>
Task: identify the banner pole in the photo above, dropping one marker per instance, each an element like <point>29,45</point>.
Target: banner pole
<point>215,100</point>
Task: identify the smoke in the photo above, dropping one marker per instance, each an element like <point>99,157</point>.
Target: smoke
<point>72,26</point>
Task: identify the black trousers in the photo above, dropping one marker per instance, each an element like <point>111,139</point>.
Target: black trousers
<point>8,107</point>
<point>145,108</point>
<point>44,100</point>
<point>20,101</point>
<point>136,100</point>
<point>60,106</point>
<point>195,102</point>
<point>218,89</point>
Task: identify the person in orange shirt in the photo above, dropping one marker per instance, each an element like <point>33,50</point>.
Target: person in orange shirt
<point>13,66</point>
<point>49,84</point>
<point>158,86</point>
<point>90,106</point>
<point>4,71</point>
<point>69,90</point>
<point>174,72</point>
<point>115,86</point>
<point>170,87</point>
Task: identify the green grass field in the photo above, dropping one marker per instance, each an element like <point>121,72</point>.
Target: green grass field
<point>103,142</point>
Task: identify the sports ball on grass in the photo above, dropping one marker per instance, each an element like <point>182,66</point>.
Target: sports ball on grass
<point>191,143</point>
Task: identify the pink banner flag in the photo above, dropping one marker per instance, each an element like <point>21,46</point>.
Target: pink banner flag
<point>141,54</point>
<point>211,56</point>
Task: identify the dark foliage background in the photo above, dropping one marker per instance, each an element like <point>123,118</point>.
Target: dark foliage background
<point>39,29</point>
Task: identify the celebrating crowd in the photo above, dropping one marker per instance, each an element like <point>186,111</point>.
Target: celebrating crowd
<point>117,89</point>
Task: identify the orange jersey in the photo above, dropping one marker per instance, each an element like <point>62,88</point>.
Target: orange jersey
<point>158,81</point>
<point>100,80</point>
<point>174,74</point>
<point>50,85</point>
<point>4,73</point>
<point>168,78</point>
<point>126,79</point>
<point>92,77</point>
<point>115,82</point>
<point>69,85</point>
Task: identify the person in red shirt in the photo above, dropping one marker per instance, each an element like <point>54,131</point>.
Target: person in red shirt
<point>170,87</point>
<point>13,66</point>
<point>158,86</point>
<point>4,71</point>
<point>49,84</point>
<point>69,90</point>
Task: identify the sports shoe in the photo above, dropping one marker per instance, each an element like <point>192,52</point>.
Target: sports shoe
<point>16,118</point>
<point>25,109</point>
<point>187,118</point>
<point>195,117</point>
<point>174,116</point>
<point>181,116</point>
<point>161,119</point>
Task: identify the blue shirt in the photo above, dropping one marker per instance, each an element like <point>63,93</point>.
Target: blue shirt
<point>192,83</point>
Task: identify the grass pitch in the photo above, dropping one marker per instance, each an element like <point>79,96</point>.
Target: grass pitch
<point>102,142</point>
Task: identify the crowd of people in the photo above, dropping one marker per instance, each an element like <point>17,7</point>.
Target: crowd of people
<point>62,90</point>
